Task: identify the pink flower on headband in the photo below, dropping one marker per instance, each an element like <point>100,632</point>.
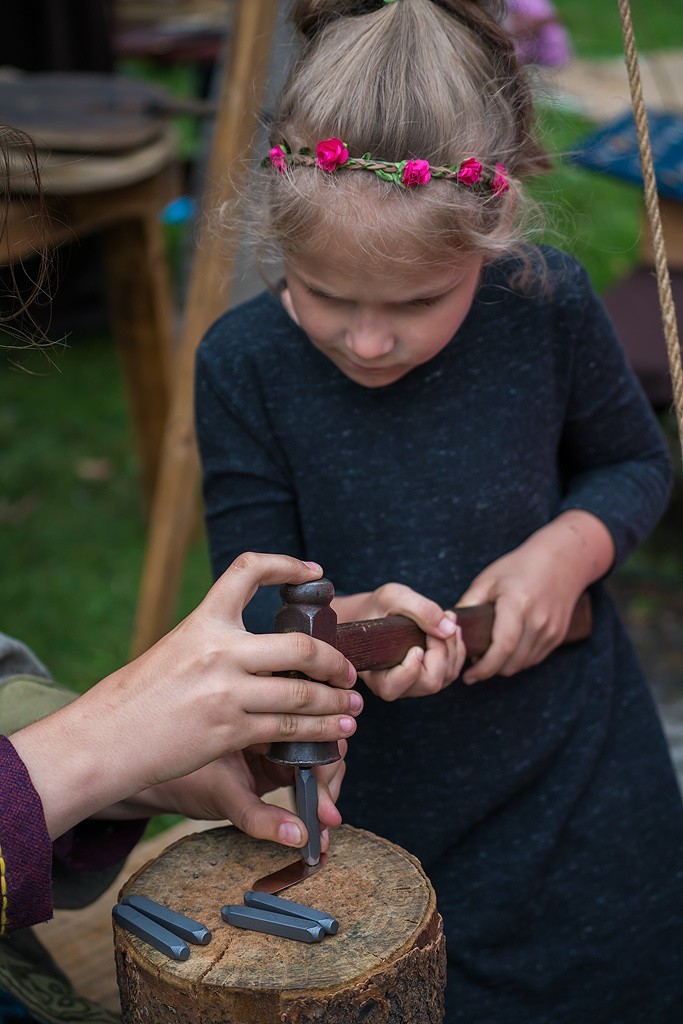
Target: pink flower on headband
<point>500,181</point>
<point>331,154</point>
<point>416,172</point>
<point>278,159</point>
<point>470,171</point>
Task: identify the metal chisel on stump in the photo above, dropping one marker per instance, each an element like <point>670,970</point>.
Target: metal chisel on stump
<point>306,609</point>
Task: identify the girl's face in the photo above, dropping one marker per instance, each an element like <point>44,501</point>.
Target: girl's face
<point>373,325</point>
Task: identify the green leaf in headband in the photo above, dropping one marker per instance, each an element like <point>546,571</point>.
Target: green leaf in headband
<point>389,176</point>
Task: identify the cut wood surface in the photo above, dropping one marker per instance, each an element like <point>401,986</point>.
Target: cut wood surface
<point>385,965</point>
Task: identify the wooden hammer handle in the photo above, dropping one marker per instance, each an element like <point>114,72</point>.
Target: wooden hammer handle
<point>383,643</point>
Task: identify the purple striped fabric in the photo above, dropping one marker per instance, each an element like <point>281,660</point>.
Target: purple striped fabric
<point>26,860</point>
<point>26,852</point>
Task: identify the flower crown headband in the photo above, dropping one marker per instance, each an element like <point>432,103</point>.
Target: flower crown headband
<point>332,155</point>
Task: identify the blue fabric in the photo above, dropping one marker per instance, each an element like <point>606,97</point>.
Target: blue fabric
<point>613,149</point>
<point>12,1011</point>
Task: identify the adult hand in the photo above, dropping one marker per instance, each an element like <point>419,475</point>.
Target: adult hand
<point>203,691</point>
<point>230,789</point>
<point>422,672</point>
<point>535,589</point>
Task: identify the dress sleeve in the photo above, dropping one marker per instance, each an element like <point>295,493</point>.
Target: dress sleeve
<point>613,455</point>
<point>249,499</point>
<point>25,848</point>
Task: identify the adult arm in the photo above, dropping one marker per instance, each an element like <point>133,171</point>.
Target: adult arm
<point>208,689</point>
<point>76,868</point>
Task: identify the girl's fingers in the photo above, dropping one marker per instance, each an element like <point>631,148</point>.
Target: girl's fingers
<point>422,672</point>
<point>398,599</point>
<point>393,683</point>
<point>442,665</point>
<point>457,653</point>
<point>516,642</point>
<point>520,657</point>
<point>540,635</point>
<point>552,636</point>
<point>434,669</point>
<point>539,647</point>
<point>295,652</point>
<point>507,629</point>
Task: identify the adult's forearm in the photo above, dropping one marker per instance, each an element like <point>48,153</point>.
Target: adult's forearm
<point>73,763</point>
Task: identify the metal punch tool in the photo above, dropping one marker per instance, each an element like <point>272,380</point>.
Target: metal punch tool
<point>160,927</point>
<point>266,901</point>
<point>186,927</point>
<point>271,923</point>
<point>154,934</point>
<point>306,609</point>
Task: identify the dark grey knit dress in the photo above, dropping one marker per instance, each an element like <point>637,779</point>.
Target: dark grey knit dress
<point>543,807</point>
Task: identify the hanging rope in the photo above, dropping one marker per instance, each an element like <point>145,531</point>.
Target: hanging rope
<point>666,301</point>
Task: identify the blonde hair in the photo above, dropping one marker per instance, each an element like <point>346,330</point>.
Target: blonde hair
<point>413,79</point>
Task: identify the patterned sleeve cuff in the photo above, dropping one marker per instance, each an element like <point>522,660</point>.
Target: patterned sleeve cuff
<point>25,848</point>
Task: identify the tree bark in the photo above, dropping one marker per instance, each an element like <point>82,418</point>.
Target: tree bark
<point>385,965</point>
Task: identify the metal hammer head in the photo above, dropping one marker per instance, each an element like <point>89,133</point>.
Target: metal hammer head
<point>306,609</point>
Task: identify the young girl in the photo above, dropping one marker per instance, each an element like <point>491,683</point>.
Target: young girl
<point>436,412</point>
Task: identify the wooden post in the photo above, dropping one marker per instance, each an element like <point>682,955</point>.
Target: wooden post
<point>175,500</point>
<point>387,962</point>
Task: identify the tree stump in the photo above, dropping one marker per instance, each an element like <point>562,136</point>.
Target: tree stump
<point>385,965</point>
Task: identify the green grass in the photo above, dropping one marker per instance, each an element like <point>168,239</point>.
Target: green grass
<point>179,79</point>
<point>593,216</point>
<point>596,32</point>
<point>72,532</point>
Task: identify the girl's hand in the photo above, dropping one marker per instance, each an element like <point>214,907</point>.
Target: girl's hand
<point>229,789</point>
<point>535,589</point>
<point>422,672</point>
<point>205,690</point>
